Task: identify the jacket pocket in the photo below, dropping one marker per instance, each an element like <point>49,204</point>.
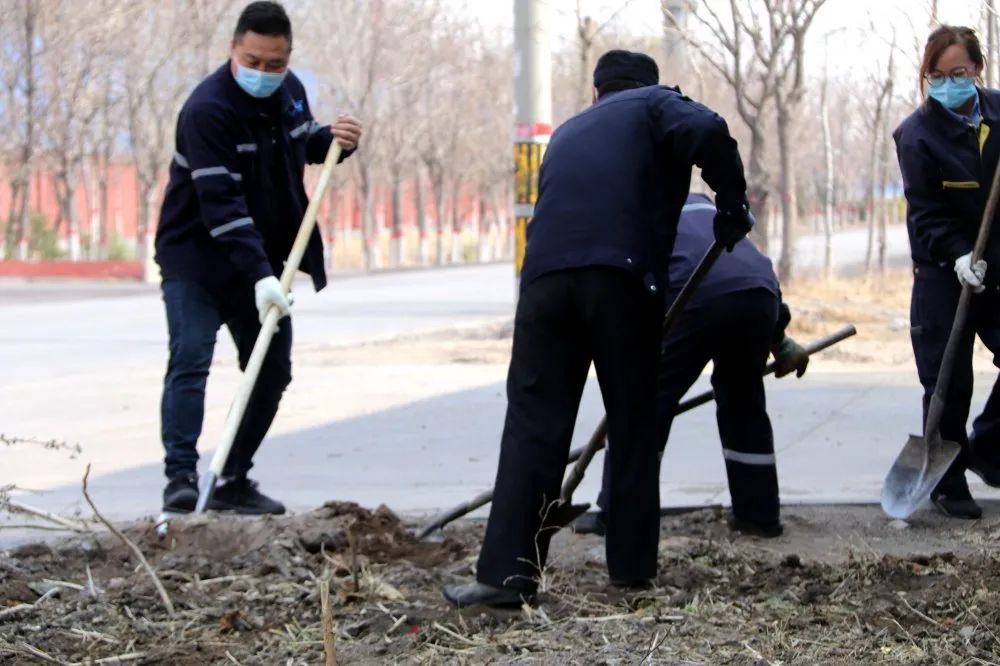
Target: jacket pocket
<point>960,184</point>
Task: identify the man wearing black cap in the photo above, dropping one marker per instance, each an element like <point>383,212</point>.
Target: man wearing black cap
<point>611,189</point>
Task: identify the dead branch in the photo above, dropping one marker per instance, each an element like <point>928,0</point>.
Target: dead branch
<point>13,506</point>
<point>128,542</point>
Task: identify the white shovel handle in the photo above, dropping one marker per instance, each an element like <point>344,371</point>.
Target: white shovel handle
<point>252,371</point>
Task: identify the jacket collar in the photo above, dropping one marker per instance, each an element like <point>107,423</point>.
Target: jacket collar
<point>953,125</point>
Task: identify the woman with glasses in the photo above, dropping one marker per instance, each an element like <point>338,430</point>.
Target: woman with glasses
<point>948,150</point>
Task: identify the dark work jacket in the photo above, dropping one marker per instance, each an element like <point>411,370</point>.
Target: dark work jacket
<point>236,199</point>
<point>947,168</point>
<point>614,179</point>
<point>742,269</point>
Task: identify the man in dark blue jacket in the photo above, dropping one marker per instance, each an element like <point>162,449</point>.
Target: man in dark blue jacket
<point>611,188</point>
<point>230,214</point>
<point>740,293</point>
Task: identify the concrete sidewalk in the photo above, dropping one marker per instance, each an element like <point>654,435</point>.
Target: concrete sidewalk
<point>836,432</point>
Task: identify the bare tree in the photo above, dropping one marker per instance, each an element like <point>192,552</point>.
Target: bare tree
<point>587,31</point>
<point>882,83</point>
<point>73,90</point>
<point>745,51</point>
<point>26,109</point>
<point>797,17</point>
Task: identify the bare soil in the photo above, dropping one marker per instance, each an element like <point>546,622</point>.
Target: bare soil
<point>842,586</point>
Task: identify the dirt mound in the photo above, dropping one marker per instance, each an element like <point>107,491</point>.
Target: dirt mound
<point>247,591</point>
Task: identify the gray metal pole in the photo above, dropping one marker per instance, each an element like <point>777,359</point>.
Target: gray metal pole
<point>532,111</point>
<point>674,47</point>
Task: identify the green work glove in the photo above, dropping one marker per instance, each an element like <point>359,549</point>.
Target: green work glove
<point>789,356</point>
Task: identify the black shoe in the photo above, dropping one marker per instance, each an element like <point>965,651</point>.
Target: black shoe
<point>591,522</point>
<point>241,496</point>
<point>986,470</point>
<point>636,585</point>
<point>955,500</point>
<point>481,594</point>
<point>765,530</point>
<point>181,494</point>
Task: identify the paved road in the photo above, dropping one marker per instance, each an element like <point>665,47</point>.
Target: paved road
<point>83,363</point>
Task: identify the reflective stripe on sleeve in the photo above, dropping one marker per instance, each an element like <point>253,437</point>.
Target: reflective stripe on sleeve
<point>229,226</point>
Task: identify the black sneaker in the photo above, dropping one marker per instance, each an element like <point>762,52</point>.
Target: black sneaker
<point>765,530</point>
<point>181,494</point>
<point>241,496</point>
<point>954,499</point>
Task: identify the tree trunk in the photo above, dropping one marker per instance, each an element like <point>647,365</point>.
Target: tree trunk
<point>22,219</point>
<point>368,240</point>
<point>28,148</point>
<point>828,185</point>
<point>68,210</point>
<point>457,243</point>
<point>883,251</point>
<point>140,240</point>
<point>437,183</point>
<point>418,199</point>
<point>872,191</point>
<point>585,30</point>
<point>484,220</point>
<point>757,190</point>
<point>397,220</point>
<point>788,200</point>
<point>333,205</point>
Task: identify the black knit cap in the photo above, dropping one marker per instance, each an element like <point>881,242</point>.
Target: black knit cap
<point>620,65</point>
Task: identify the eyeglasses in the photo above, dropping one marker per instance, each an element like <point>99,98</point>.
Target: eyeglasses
<point>956,76</point>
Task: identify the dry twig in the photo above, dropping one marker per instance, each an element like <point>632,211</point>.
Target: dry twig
<point>167,603</point>
<point>18,507</point>
<point>324,598</point>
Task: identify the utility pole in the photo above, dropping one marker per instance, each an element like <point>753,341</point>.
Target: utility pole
<point>674,47</point>
<point>532,112</point>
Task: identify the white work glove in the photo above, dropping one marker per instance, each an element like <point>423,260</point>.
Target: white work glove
<point>267,292</point>
<point>971,274</point>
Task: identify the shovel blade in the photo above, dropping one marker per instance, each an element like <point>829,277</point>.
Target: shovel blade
<point>919,467</point>
<point>563,515</point>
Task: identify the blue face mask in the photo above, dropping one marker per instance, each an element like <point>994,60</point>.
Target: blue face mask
<point>257,83</point>
<point>953,94</point>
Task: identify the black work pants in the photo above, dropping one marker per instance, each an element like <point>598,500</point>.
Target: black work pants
<point>564,321</point>
<point>932,312</point>
<point>735,332</point>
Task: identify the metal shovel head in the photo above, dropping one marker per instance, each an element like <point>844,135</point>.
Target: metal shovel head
<point>919,467</point>
<point>563,515</point>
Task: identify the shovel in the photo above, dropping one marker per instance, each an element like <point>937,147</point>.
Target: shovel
<point>924,461</point>
<point>267,329</point>
<point>601,433</point>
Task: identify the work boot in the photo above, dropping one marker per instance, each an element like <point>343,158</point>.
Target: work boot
<point>953,498</point>
<point>985,469</point>
<point>240,495</point>
<point>481,594</point>
<point>591,522</point>
<point>765,530</point>
<point>181,493</point>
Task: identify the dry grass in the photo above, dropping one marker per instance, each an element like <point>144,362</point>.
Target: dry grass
<point>257,599</point>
